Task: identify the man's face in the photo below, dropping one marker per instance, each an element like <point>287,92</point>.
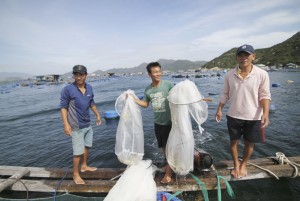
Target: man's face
<point>155,74</point>
<point>79,78</point>
<point>245,59</point>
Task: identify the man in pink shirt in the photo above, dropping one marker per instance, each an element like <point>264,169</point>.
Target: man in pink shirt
<point>247,89</point>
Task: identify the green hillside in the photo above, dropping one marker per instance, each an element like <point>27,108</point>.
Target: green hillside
<point>280,54</point>
<point>277,55</point>
<point>167,64</point>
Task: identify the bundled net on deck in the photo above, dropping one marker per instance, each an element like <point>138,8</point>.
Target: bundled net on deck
<point>136,184</point>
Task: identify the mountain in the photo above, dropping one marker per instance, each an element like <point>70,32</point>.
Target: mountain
<point>167,64</point>
<point>280,54</point>
<point>10,77</point>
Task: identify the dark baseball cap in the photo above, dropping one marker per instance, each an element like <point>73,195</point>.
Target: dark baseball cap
<point>245,48</point>
<point>79,69</point>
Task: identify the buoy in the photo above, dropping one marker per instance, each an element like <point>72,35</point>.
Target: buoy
<point>276,85</point>
<point>111,114</point>
<point>272,108</point>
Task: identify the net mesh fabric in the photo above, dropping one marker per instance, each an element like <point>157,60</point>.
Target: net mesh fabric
<point>129,146</point>
<point>185,101</point>
<point>136,184</point>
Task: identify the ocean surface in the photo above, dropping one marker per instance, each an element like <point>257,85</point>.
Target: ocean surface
<point>32,133</point>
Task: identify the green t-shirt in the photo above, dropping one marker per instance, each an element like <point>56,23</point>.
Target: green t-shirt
<point>160,104</point>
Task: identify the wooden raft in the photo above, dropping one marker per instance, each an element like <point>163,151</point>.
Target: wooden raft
<point>47,179</point>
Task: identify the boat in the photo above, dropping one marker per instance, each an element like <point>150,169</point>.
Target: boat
<point>212,93</point>
<point>275,85</point>
<point>59,180</point>
<point>178,76</point>
<point>111,114</point>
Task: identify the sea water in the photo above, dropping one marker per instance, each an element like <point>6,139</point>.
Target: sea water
<point>32,132</point>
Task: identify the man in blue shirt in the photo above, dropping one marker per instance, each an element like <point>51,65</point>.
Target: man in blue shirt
<point>75,102</point>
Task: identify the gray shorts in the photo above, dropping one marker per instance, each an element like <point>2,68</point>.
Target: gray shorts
<point>251,130</point>
<point>82,138</point>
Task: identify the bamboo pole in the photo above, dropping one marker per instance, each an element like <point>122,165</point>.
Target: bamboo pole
<point>14,178</point>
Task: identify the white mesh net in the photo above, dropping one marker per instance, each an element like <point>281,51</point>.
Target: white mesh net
<point>136,184</point>
<point>184,99</point>
<point>129,146</point>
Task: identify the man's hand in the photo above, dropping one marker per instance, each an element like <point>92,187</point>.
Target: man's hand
<point>67,129</point>
<point>98,121</point>
<point>219,116</point>
<point>264,121</point>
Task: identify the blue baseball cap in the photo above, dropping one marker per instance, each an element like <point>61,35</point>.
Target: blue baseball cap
<point>245,48</point>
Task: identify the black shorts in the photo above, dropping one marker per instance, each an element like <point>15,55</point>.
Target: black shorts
<point>162,134</point>
<point>251,130</point>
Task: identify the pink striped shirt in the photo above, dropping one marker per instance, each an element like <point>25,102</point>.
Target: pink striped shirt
<point>244,95</point>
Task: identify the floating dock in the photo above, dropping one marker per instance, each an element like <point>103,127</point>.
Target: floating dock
<point>38,179</point>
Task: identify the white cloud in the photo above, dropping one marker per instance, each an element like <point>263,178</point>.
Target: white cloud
<point>54,36</point>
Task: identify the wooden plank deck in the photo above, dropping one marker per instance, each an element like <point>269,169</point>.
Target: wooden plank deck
<point>47,179</point>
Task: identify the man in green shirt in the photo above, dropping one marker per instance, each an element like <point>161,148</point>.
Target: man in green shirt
<point>157,93</point>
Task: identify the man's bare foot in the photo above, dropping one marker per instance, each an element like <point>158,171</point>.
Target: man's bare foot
<point>87,169</point>
<point>77,179</point>
<point>235,172</point>
<point>168,176</point>
<point>166,179</point>
<point>243,171</point>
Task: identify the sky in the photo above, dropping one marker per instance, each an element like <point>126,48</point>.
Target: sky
<point>50,37</point>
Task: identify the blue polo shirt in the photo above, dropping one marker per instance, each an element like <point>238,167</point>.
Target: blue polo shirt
<point>78,105</point>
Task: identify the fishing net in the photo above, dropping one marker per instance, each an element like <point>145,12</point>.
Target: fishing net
<point>136,184</point>
<point>129,146</point>
<point>184,100</point>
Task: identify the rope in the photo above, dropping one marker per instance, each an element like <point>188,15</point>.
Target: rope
<point>203,99</point>
<point>269,171</point>
<point>202,187</point>
<point>58,184</point>
<point>174,195</point>
<point>228,186</point>
<point>282,159</point>
<point>27,191</point>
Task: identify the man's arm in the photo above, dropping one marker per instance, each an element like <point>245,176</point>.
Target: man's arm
<point>207,99</point>
<point>219,112</point>
<point>64,117</point>
<point>141,103</point>
<point>94,109</point>
<point>265,104</point>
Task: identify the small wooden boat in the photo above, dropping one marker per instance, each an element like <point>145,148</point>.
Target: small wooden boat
<point>212,93</point>
<point>59,180</point>
<point>275,85</point>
